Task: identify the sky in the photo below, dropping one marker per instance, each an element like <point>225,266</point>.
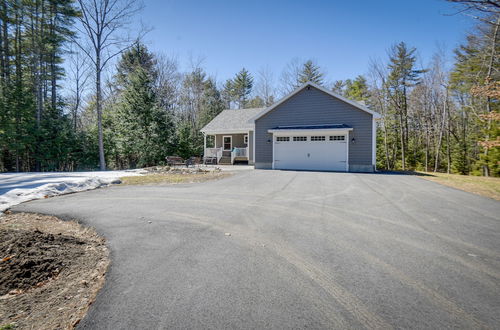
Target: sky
<point>341,36</point>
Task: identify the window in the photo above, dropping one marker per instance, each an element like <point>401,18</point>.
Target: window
<point>300,138</point>
<point>282,138</point>
<point>337,137</point>
<point>318,138</point>
<point>245,139</point>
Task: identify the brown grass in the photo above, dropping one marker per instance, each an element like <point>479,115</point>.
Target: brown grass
<point>480,185</point>
<point>172,178</point>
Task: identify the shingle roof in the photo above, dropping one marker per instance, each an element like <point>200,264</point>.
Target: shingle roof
<point>232,120</point>
<point>327,126</point>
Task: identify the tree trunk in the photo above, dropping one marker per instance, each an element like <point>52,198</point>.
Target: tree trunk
<point>5,45</point>
<point>19,81</point>
<point>53,71</point>
<point>102,161</point>
<point>402,140</point>
<point>486,169</point>
<point>77,106</point>
<point>387,164</point>
<point>448,130</point>
<point>427,143</point>
<point>440,140</point>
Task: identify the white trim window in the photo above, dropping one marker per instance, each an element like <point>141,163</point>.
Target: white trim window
<point>318,138</point>
<point>337,137</point>
<point>299,138</point>
<point>282,139</point>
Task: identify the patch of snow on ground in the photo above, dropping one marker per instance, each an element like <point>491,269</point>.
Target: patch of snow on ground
<point>16,188</point>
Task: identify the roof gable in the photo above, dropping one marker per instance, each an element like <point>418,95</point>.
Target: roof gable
<point>324,90</point>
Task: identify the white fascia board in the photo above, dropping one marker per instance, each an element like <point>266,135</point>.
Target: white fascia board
<point>228,131</point>
<point>324,90</point>
<point>286,132</point>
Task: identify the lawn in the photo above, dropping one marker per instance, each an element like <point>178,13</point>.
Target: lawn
<point>172,178</point>
<point>484,186</point>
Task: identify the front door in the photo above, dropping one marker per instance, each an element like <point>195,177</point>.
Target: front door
<point>227,142</point>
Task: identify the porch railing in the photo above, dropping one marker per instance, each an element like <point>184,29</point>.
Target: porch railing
<point>238,152</point>
<point>213,153</point>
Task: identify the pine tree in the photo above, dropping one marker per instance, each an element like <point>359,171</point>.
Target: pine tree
<point>32,37</point>
<point>474,82</point>
<point>143,130</point>
<point>357,89</point>
<point>242,87</point>
<point>401,78</point>
<point>310,72</point>
<point>211,103</point>
<point>227,93</point>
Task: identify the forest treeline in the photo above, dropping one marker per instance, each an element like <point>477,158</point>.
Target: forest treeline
<point>76,94</point>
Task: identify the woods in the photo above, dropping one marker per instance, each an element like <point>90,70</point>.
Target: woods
<point>78,91</point>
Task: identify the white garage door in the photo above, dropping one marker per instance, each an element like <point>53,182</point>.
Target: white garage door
<point>311,152</point>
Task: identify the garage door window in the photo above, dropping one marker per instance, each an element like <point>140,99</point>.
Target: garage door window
<point>300,138</point>
<point>318,138</point>
<point>282,138</point>
<point>337,137</point>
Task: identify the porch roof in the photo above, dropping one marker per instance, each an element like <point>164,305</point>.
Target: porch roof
<point>232,121</point>
<point>309,127</point>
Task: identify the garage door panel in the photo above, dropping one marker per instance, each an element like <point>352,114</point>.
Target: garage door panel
<point>310,155</point>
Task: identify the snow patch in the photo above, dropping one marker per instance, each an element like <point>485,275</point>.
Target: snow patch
<point>16,188</point>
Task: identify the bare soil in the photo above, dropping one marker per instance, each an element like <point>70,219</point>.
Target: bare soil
<point>50,271</point>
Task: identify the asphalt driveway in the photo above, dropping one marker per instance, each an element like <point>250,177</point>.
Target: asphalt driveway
<point>316,250</point>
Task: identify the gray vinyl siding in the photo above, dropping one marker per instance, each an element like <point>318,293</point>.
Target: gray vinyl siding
<point>314,107</point>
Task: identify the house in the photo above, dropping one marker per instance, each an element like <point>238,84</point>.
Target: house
<point>312,128</point>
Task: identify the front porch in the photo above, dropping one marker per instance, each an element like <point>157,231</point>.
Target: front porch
<point>228,148</point>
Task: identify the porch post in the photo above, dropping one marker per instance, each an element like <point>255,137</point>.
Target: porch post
<point>204,147</point>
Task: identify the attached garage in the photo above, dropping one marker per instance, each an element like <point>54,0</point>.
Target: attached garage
<point>319,148</point>
<point>315,129</point>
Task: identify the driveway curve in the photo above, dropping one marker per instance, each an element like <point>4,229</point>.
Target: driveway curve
<point>284,249</point>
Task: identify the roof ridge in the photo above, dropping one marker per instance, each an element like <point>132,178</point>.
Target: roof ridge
<point>246,109</point>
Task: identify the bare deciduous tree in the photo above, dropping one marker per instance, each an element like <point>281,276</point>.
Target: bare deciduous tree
<point>264,87</point>
<point>78,76</point>
<point>290,76</point>
<point>104,24</point>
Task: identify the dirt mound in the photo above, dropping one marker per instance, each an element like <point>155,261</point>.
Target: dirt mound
<point>50,271</point>
<point>32,257</point>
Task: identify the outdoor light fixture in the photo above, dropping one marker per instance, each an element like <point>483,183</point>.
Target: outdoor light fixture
<point>353,140</point>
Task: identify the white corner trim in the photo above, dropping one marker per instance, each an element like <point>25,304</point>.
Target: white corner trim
<point>274,155</point>
<point>253,147</point>
<point>324,90</point>
<point>374,144</point>
<point>347,156</point>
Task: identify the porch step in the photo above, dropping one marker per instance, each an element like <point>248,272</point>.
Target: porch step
<point>225,160</point>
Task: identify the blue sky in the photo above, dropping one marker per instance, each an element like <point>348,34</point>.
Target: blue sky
<point>341,36</point>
